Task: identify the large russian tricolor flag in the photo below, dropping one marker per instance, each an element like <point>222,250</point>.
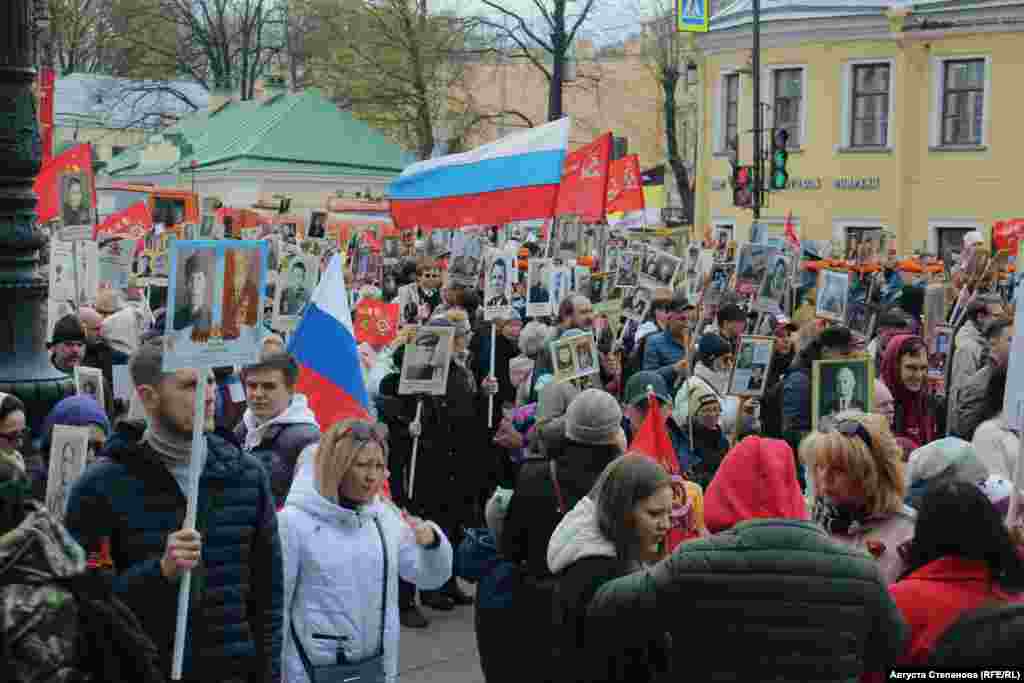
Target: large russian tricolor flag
<point>512,179</point>
<point>324,344</point>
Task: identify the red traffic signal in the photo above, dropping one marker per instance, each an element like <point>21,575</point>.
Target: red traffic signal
<point>743,187</point>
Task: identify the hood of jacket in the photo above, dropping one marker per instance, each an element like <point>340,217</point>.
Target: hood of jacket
<point>39,550</point>
<point>304,496</point>
<point>297,412</point>
<point>121,330</point>
<point>757,479</point>
<point>911,408</point>
<point>719,381</point>
<point>577,536</point>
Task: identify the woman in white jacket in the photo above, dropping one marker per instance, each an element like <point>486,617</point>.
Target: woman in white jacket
<point>332,528</point>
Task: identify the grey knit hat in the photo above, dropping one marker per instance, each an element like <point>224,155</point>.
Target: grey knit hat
<point>594,417</point>
<point>532,338</point>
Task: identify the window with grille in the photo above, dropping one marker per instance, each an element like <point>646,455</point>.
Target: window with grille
<point>787,102</point>
<point>870,125</point>
<point>963,99</point>
<point>732,112</point>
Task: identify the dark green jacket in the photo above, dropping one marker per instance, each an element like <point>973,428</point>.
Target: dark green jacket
<point>769,600</point>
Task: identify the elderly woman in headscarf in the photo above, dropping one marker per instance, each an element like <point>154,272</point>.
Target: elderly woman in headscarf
<point>75,411</point>
<point>905,373</point>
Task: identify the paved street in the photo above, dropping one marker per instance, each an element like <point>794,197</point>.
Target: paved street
<point>444,651</point>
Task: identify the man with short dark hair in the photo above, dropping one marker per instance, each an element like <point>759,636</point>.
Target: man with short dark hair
<point>278,424</point>
<point>732,323</point>
<point>133,502</point>
<point>665,352</point>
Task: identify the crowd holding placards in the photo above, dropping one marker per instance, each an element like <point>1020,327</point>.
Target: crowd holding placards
<point>777,467</point>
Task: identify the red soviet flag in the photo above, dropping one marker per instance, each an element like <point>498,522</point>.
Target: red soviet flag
<point>625,193</point>
<point>584,184</point>
<point>131,223</point>
<point>375,322</point>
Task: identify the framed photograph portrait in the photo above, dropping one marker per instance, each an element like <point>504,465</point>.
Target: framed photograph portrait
<point>89,382</point>
<point>69,454</point>
<point>753,263</point>
<point>840,385</point>
<point>750,371</point>
<point>438,243</point>
<point>860,318</point>
<point>773,285</point>
<point>559,284</point>
<point>215,303</point>
<point>296,279</point>
<point>718,283</point>
<point>538,293</point>
<point>581,281</point>
<point>76,199</point>
<point>720,238</point>
<point>628,272</point>
<point>426,361</point>
<point>662,268</point>
<point>636,302</point>
<point>500,274</point>
<point>466,259</point>
<point>574,357</point>
<point>570,230</point>
<point>938,351</point>
<point>833,292</point>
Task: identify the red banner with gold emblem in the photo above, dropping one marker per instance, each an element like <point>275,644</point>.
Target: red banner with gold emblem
<point>132,223</point>
<point>585,181</point>
<point>376,322</point>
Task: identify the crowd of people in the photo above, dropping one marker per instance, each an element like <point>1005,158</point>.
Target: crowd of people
<point>878,540</point>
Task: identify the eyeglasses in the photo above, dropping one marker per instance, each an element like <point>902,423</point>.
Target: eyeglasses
<point>851,429</point>
<point>14,437</point>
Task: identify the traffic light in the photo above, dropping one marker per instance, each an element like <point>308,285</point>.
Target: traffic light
<point>779,177</point>
<point>743,186</point>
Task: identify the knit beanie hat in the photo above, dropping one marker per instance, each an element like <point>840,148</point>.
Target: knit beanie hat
<point>76,411</point>
<point>594,417</point>
<point>68,329</point>
<point>711,346</point>
<point>636,387</point>
<point>700,395</point>
<point>532,338</point>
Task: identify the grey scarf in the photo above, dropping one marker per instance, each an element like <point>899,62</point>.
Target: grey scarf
<point>172,449</point>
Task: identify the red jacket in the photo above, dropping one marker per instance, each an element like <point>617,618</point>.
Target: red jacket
<point>934,596</point>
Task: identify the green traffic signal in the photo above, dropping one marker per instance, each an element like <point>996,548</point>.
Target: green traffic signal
<point>779,177</point>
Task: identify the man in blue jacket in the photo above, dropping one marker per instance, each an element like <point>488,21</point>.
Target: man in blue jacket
<point>129,509</point>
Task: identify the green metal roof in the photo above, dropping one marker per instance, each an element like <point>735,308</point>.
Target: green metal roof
<point>302,131</point>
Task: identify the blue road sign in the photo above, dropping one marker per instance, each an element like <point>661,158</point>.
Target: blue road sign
<point>692,16</point>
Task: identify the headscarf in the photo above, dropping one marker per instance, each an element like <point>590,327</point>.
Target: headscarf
<point>913,419</point>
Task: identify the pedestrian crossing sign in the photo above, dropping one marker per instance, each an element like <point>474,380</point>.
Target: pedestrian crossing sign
<point>692,16</point>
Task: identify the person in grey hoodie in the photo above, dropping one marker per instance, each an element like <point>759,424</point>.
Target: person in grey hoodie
<point>277,424</point>
<point>344,547</point>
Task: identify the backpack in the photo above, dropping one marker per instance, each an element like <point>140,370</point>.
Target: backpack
<point>111,644</point>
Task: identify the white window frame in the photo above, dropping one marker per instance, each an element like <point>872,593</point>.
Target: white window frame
<point>938,86</point>
<point>720,95</point>
<point>768,86</point>
<point>936,224</point>
<point>841,227</point>
<point>846,108</point>
<point>724,223</point>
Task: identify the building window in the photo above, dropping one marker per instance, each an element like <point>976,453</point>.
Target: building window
<point>788,100</point>
<point>870,124</point>
<point>732,112</point>
<point>963,99</point>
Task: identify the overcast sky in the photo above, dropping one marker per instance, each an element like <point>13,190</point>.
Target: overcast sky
<point>609,21</point>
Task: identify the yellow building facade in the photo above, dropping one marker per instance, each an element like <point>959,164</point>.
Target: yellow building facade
<point>902,117</point>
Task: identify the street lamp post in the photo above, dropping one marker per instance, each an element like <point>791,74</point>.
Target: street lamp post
<point>25,367</point>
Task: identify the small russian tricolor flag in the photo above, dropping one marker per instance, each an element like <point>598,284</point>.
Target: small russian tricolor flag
<point>324,345</point>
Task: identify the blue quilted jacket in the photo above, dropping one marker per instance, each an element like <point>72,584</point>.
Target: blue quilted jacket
<point>235,617</point>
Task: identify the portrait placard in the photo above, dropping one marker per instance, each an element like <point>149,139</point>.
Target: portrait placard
<point>426,360</point>
<point>89,382</point>
<point>582,281</point>
<point>628,272</point>
<point>660,268</point>
<point>753,263</point>
<point>438,242</point>
<point>938,351</point>
<point>538,295</point>
<point>115,263</point>
<point>772,290</point>
<point>750,372</point>
<point>636,302</point>
<point>500,272</point>
<point>860,318</point>
<point>215,303</point>
<point>69,453</point>
<point>466,259</point>
<point>839,385</point>
<point>833,292</point>
<point>574,357</point>
<point>296,279</point>
<point>559,284</point>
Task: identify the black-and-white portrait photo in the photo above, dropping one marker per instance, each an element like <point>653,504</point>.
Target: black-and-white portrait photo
<point>833,290</point>
<point>538,295</point>
<point>89,382</point>
<point>628,274</point>
<point>841,384</point>
<point>662,267</point>
<point>75,199</point>
<point>635,303</point>
<point>466,257</point>
<point>195,277</point>
<point>425,361</point>
<point>69,451</point>
<point>317,225</point>
<point>500,278</point>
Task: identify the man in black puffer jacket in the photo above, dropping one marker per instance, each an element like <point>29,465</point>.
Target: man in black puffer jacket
<point>769,597</point>
<point>133,502</point>
<point>277,424</point>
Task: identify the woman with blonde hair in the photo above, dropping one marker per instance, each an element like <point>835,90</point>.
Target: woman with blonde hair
<point>857,473</point>
<point>344,547</point>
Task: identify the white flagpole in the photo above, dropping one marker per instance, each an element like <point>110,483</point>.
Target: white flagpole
<point>490,397</point>
<point>195,468</point>
<point>415,447</point>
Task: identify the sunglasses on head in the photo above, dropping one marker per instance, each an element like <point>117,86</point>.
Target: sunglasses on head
<point>367,431</point>
<point>853,429</point>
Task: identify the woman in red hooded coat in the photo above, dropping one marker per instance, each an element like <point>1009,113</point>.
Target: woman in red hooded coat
<point>905,373</point>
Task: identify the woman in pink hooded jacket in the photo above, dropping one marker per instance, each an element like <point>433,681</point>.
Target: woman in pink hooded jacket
<point>905,373</point>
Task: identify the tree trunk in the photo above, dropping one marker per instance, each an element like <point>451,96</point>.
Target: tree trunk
<point>560,47</point>
<point>669,81</point>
